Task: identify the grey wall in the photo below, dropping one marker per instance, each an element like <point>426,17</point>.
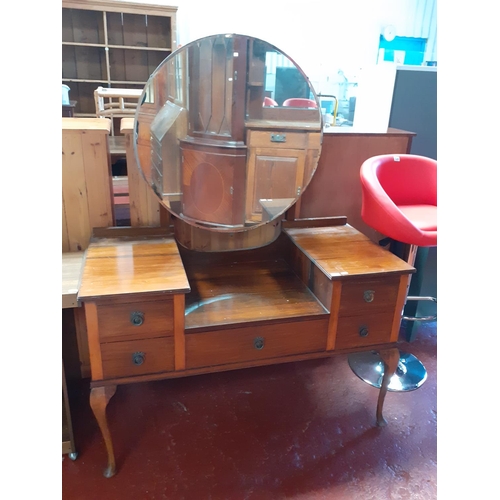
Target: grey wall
<point>414,108</point>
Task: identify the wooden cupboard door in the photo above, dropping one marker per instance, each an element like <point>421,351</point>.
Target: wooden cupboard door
<point>273,174</point>
<point>213,185</point>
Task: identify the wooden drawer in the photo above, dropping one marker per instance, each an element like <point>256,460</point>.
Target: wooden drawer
<point>364,330</point>
<point>137,357</point>
<point>154,319</point>
<point>277,139</point>
<point>368,296</point>
<point>240,345</point>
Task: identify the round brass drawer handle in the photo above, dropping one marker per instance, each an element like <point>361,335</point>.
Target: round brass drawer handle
<point>369,295</point>
<point>137,318</point>
<point>363,331</point>
<point>138,358</point>
<point>258,343</point>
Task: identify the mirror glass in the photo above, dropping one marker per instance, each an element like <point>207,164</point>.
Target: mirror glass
<point>228,132</point>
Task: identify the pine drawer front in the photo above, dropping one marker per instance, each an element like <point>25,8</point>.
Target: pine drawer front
<point>137,357</point>
<point>368,296</point>
<point>248,344</point>
<point>135,320</point>
<point>364,330</point>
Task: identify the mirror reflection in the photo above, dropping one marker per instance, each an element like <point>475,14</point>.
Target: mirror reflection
<point>228,132</point>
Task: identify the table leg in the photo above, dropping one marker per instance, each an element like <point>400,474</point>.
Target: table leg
<point>99,399</point>
<point>390,357</point>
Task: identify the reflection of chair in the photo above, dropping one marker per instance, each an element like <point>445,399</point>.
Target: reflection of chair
<point>300,102</point>
<point>269,102</point>
<point>399,200</point>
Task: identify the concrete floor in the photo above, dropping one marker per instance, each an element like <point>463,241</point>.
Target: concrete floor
<point>302,430</point>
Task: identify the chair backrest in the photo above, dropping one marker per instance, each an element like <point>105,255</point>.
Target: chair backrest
<point>300,102</point>
<point>269,102</point>
<point>407,179</point>
<point>389,184</point>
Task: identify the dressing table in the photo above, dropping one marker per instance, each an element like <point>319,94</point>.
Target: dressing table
<point>235,282</point>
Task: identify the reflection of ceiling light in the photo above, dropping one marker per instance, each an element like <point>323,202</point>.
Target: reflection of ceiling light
<point>389,32</point>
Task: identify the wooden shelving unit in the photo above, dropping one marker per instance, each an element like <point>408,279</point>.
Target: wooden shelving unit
<point>112,44</point>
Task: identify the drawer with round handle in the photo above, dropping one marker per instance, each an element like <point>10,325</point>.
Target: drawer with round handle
<point>364,330</point>
<point>137,357</point>
<point>368,296</point>
<point>135,320</point>
<point>253,343</point>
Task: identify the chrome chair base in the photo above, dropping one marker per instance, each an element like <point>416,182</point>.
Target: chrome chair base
<point>369,367</point>
<point>420,318</point>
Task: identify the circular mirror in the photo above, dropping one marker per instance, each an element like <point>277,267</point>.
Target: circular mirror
<point>228,132</point>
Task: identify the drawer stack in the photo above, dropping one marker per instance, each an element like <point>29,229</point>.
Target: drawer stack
<point>136,338</point>
<point>366,312</point>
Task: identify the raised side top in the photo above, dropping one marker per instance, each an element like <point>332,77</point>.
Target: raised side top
<point>128,265</point>
<point>342,251</point>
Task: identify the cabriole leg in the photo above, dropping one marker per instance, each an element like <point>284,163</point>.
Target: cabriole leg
<point>390,357</point>
<point>99,399</point>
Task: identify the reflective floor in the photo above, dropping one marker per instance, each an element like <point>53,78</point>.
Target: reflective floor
<point>302,430</point>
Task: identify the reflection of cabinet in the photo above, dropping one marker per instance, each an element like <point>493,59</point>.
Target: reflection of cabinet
<point>213,180</point>
<point>216,104</point>
<point>277,161</point>
<point>114,44</point>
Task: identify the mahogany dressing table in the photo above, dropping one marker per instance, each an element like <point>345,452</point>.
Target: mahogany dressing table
<point>233,284</point>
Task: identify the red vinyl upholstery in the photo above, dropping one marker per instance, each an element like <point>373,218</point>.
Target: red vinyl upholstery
<point>399,197</point>
<point>300,102</point>
<point>269,102</point>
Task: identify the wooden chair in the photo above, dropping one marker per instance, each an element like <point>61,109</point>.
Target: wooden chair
<point>116,103</point>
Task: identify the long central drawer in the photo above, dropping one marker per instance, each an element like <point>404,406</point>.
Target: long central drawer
<point>238,345</point>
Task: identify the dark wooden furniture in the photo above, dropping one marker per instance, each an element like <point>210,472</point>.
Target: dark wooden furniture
<point>68,110</point>
<point>233,284</point>
<point>155,310</point>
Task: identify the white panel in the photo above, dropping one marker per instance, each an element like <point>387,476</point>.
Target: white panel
<point>374,98</point>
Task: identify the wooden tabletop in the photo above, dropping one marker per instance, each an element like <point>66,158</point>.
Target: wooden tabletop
<point>342,251</point>
<point>128,265</point>
<point>95,124</point>
<point>72,265</point>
